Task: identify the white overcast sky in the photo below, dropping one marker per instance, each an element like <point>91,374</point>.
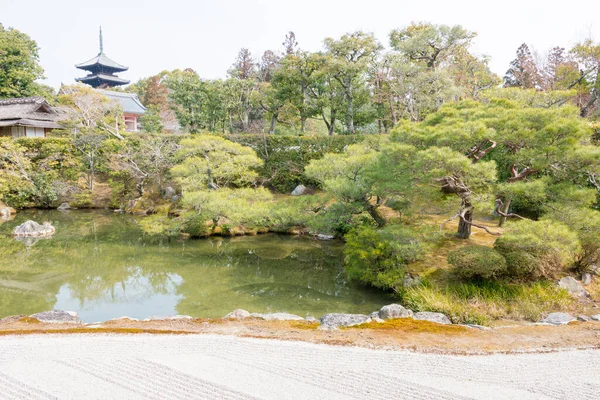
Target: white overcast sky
<point>150,36</point>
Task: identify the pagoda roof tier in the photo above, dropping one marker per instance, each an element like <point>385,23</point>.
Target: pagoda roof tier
<point>97,80</point>
<point>101,61</point>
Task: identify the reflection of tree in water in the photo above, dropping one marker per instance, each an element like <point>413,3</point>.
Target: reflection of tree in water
<point>96,253</point>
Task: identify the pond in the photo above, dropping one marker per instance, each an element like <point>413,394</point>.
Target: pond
<point>102,266</point>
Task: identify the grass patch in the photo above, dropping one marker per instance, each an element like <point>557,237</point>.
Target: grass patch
<point>481,302</point>
<point>29,320</point>
<point>304,325</point>
<point>409,325</point>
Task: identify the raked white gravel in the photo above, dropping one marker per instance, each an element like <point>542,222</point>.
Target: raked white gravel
<point>224,367</point>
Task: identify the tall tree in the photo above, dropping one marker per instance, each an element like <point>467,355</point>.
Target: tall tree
<point>587,54</point>
<point>187,97</point>
<point>523,71</point>
<point>268,64</point>
<point>430,44</point>
<point>290,45</point>
<point>19,64</point>
<point>350,58</point>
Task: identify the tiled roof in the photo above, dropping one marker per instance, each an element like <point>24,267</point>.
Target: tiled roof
<point>129,101</point>
<point>110,78</point>
<point>28,111</point>
<point>102,59</point>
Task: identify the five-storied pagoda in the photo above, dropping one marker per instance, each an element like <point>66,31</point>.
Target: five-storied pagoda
<point>102,70</point>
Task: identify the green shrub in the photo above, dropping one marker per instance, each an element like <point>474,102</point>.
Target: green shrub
<point>285,157</point>
<point>379,257</point>
<point>477,262</point>
<point>83,200</point>
<point>538,249</point>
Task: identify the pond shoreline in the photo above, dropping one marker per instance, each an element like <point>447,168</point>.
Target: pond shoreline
<point>420,336</point>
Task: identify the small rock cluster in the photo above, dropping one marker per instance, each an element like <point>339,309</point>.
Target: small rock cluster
<point>333,321</point>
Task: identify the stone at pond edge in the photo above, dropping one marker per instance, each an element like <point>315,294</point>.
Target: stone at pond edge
<point>322,236</point>
<point>32,228</point>
<point>394,311</point>
<point>311,319</point>
<point>595,317</point>
<point>169,318</point>
<point>432,317</point>
<point>6,211</point>
<point>558,318</point>
<point>300,190</point>
<point>57,317</point>
<point>335,320</point>
<point>277,317</point>
<point>237,314</point>
<point>586,279</point>
<point>375,317</point>
<point>583,318</point>
<point>573,287</point>
<point>64,206</point>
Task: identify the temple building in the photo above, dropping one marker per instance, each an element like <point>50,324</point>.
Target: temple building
<point>102,70</point>
<point>131,105</point>
<point>28,117</point>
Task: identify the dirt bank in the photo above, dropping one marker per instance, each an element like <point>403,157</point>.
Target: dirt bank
<point>397,334</point>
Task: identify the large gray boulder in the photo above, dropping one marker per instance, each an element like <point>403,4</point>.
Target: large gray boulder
<point>333,320</point>
<point>57,317</point>
<point>432,317</point>
<point>33,229</point>
<point>300,190</point>
<point>559,318</point>
<point>573,287</point>
<point>279,316</point>
<point>392,311</point>
<point>237,314</point>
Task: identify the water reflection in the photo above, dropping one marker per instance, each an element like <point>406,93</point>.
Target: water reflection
<point>100,265</point>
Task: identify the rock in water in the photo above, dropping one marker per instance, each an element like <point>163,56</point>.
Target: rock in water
<point>32,228</point>
<point>558,318</point>
<point>322,236</point>
<point>57,317</point>
<point>573,287</point>
<point>299,190</point>
<point>335,320</point>
<point>63,207</point>
<point>432,317</point>
<point>237,314</point>
<point>392,311</point>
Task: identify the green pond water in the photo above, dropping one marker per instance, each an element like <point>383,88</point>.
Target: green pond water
<point>100,265</point>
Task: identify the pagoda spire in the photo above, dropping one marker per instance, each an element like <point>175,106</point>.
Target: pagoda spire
<point>101,44</point>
